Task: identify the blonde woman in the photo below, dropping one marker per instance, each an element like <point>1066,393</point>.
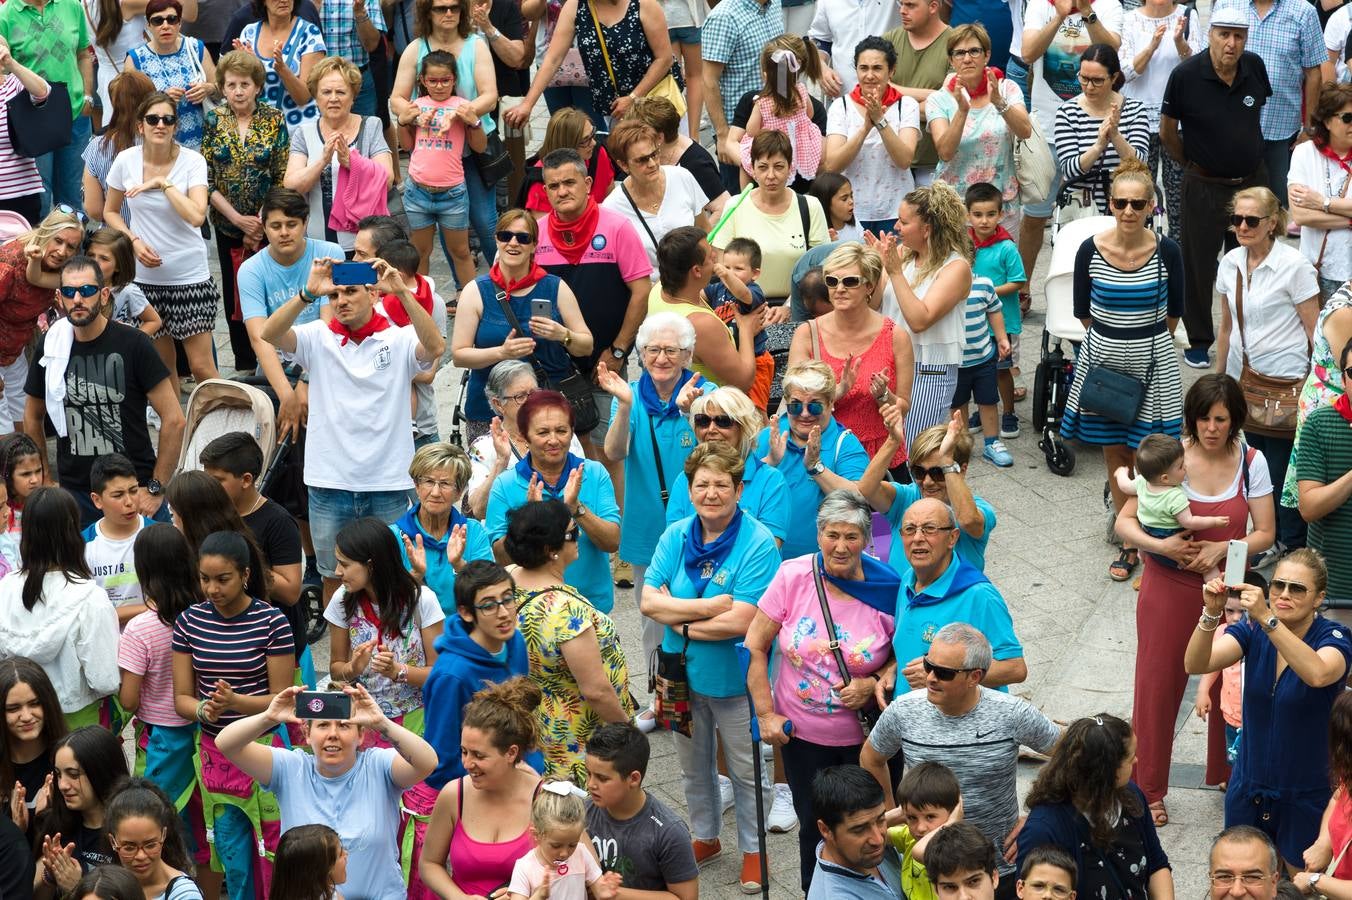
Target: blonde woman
<point>929,276</point>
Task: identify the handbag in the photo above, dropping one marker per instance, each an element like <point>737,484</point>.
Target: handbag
<point>1272,404</point>
<point>666,88</point>
<point>494,162</point>
<point>1034,165</point>
<point>575,387</point>
<point>39,128</point>
<point>869,713</point>
<point>1116,396</point>
<point>209,102</point>
<point>670,686</point>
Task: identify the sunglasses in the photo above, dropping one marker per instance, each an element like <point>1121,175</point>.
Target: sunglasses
<point>1247,221</point>
<point>156,119</point>
<point>571,535</point>
<point>920,473</point>
<point>71,211</point>
<point>814,407</point>
<point>85,290</point>
<point>442,10</point>
<point>943,673</point>
<point>1345,118</point>
<point>1121,203</point>
<point>1294,588</point>
<point>157,21</point>
<point>1347,373</point>
<point>704,420</point>
<point>849,281</point>
<point>521,237</point>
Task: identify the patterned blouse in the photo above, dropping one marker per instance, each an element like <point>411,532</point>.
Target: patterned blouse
<point>244,171</point>
<point>179,69</point>
<point>304,38</point>
<point>627,45</point>
<point>549,619</point>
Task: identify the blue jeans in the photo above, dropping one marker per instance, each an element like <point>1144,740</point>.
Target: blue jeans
<point>331,509</point>
<point>62,170</point>
<point>365,104</point>
<point>1017,72</point>
<point>447,208</point>
<point>556,98</point>
<point>1277,156</point>
<point>483,209</point>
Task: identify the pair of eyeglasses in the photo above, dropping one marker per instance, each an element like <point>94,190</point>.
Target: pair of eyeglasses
<point>646,160</point>
<point>587,140</point>
<point>438,82</point>
<point>704,420</point>
<point>1248,879</point>
<point>571,535</point>
<point>1294,588</point>
<point>813,407</point>
<point>669,352</point>
<point>967,52</point>
<point>521,237</point>
<point>443,10</point>
<point>1093,80</point>
<point>920,473</point>
<point>84,290</point>
<point>943,673</point>
<point>929,529</point>
<point>1247,221</point>
<point>157,21</point>
<point>153,119</point>
<point>1121,203</point>
<point>1347,373</point>
<point>129,849</point>
<point>492,606</point>
<point>847,281</point>
<point>519,398</point>
<point>445,487</point>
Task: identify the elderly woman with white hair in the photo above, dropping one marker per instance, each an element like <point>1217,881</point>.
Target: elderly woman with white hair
<point>838,593</point>
<point>813,451</point>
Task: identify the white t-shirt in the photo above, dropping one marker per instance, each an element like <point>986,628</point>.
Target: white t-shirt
<point>941,344</point>
<point>1272,331</point>
<point>1317,172</point>
<point>182,251</point>
<point>877,181</point>
<point>843,24</point>
<point>684,199</point>
<point>361,424</point>
<point>111,563</point>
<point>1138,30</point>
<point>128,304</point>
<point>1335,39</point>
<point>1056,72</point>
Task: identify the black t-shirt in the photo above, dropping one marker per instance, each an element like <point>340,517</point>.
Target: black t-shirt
<point>1220,122</point>
<point>697,161</point>
<point>505,16</point>
<point>278,537</point>
<point>92,848</point>
<point>16,863</point>
<point>245,14</point>
<point>31,775</point>
<point>107,380</point>
<point>742,114</point>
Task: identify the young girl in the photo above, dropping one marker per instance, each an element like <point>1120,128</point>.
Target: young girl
<point>148,839</point>
<point>436,195</point>
<point>784,105</point>
<point>33,727</point>
<point>836,195</point>
<point>382,625</point>
<point>90,768</point>
<point>303,851</point>
<point>1232,686</point>
<point>231,655</point>
<point>10,558</point>
<point>559,868</point>
<point>21,465</point>
<point>111,249</point>
<point>108,883</point>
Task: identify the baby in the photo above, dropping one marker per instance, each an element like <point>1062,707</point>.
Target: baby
<point>1161,503</point>
<point>559,868</point>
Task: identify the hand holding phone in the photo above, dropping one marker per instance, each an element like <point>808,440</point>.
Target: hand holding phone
<point>352,272</point>
<point>323,705</point>
<point>1236,566</point>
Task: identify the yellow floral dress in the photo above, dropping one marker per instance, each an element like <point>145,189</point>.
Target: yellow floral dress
<point>548,620</point>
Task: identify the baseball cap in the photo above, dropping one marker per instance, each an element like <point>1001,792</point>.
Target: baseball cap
<point>1230,17</point>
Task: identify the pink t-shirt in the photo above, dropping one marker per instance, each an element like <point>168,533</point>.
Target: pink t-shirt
<point>146,650</point>
<point>803,686</point>
<point>570,877</point>
<point>437,159</point>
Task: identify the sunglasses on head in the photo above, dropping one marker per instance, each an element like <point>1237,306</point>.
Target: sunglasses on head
<point>521,237</point>
<point>920,473</point>
<point>943,673</point>
<point>704,420</point>
<point>814,407</point>
<point>157,21</point>
<point>1122,203</point>
<point>84,290</point>
<point>157,119</point>
<point>71,211</point>
<point>1247,221</point>
<point>849,281</point>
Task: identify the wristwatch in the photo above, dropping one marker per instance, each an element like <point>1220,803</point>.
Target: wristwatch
<point>881,125</point>
<point>1269,623</point>
<point>817,469</point>
<point>1314,881</point>
<point>1091,18</point>
<point>618,354</point>
<point>1327,201</point>
<point>582,513</point>
<point>153,487</point>
<point>951,469</point>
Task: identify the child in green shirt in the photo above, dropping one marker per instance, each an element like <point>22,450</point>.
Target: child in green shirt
<point>927,799</point>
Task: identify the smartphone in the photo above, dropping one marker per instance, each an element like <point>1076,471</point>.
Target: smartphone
<point>1236,566</point>
<point>354,273</point>
<point>542,309</point>
<point>323,705</point>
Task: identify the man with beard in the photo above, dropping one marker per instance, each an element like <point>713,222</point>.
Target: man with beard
<point>93,381</point>
<point>854,859</point>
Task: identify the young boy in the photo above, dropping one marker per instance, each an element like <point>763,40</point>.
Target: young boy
<point>927,800</point>
<point>736,288</point>
<point>961,863</point>
<point>1161,504</point>
<point>997,258</point>
<point>114,489</point>
<point>977,376</point>
<point>1048,873</point>
<point>406,259</point>
<point>634,833</point>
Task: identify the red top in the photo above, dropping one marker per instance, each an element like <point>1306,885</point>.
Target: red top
<point>1340,834</point>
<point>20,302</point>
<point>857,410</point>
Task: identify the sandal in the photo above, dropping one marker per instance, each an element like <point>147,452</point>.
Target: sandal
<point>1121,568</point>
<point>1158,814</point>
<point>1020,394</point>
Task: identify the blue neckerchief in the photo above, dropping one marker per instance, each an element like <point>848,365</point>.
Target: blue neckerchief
<point>552,491</point>
<point>658,408</point>
<point>878,590</point>
<point>702,560</point>
<point>963,576</point>
<point>408,523</point>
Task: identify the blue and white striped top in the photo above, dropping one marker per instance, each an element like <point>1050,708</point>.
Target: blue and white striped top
<point>977,345</point>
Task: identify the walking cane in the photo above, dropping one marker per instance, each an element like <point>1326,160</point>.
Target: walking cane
<point>744,656</point>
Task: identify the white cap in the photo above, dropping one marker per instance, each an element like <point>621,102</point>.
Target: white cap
<point>1230,17</point>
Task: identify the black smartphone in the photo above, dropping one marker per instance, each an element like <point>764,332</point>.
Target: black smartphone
<point>323,705</point>
<point>354,273</point>
<point>543,309</point>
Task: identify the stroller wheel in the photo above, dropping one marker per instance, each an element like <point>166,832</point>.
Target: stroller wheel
<point>1060,457</point>
<point>312,599</point>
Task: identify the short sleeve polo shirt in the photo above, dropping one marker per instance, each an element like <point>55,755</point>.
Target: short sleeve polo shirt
<point>1221,123</point>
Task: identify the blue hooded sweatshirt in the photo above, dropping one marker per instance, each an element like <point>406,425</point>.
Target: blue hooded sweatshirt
<point>463,668</point>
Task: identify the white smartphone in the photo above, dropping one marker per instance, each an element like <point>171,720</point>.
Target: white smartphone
<point>1236,563</point>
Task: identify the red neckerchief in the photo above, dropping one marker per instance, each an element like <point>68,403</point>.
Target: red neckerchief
<point>369,613</point>
<point>1344,406</point>
<point>394,309</point>
<point>1344,161</point>
<point>890,95</point>
<point>982,85</point>
<point>376,323</point>
<point>509,287</point>
<point>999,235</point>
<point>573,238</point>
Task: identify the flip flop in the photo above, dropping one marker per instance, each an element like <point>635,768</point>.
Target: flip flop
<point>1121,568</point>
<point>1159,814</point>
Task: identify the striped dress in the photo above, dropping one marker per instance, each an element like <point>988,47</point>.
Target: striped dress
<point>1128,309</point>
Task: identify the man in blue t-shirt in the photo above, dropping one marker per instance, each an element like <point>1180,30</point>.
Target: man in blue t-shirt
<point>854,859</point>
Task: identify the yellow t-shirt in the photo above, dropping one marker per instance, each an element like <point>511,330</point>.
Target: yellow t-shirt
<point>780,238</point>
<point>915,883</point>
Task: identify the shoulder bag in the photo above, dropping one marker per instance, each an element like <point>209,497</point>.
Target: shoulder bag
<point>576,387</point>
<point>667,87</point>
<point>1273,404</point>
<point>494,162</point>
<point>670,686</point>
<point>1117,396</point>
<point>869,713</point>
<point>209,103</point>
<point>1034,165</point>
<point>39,128</point>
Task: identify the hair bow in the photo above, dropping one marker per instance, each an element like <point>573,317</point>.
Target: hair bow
<point>785,61</point>
<point>564,788</point>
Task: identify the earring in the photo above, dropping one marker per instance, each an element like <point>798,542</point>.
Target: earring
<point>553,556</point>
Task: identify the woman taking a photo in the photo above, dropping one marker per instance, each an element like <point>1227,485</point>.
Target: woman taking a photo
<point>976,120</point>
<point>33,727</point>
<point>1129,296</point>
<point>1296,662</point>
<point>1317,186</point>
<point>1226,478</point>
<point>289,47</point>
<point>655,198</point>
<point>574,650</point>
<point>147,835</point>
<point>164,187</point>
<point>678,150</point>
<point>1280,297</point>
<point>121,129</point>
<point>810,689</point>
<point>180,67</point>
<point>1085,803</point>
<point>1100,129</point>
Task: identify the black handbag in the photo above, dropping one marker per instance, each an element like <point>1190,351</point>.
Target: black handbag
<point>36,129</point>
<point>1117,396</point>
<point>576,387</point>
<point>670,686</point>
<point>494,162</point>
<point>869,713</point>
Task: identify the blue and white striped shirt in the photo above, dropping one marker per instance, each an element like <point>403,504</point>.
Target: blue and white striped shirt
<point>977,346</point>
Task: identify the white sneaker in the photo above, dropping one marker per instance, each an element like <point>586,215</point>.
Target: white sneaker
<point>725,791</point>
<point>782,818</point>
<point>767,751</point>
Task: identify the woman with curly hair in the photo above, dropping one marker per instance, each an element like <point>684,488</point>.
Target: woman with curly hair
<point>1085,803</point>
<point>1335,831</point>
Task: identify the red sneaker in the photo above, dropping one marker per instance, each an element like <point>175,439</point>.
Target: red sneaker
<point>706,850</point>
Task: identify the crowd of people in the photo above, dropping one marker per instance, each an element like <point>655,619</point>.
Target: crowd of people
<point>728,390</point>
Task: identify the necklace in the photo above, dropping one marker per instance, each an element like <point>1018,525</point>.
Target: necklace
<point>258,504</point>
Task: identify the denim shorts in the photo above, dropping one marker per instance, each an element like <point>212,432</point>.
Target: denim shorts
<point>331,509</point>
<point>688,34</point>
<point>447,209</point>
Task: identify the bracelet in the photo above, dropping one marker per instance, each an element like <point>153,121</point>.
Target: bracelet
<point>200,706</point>
<point>1201,625</point>
<point>1209,616</point>
<point>306,296</point>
